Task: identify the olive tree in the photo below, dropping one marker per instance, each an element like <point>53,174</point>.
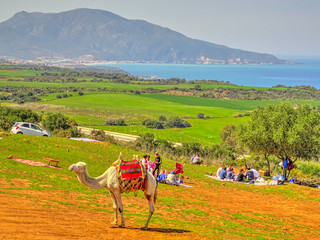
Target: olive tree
<point>282,131</point>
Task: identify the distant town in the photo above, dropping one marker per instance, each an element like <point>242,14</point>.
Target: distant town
<point>90,60</point>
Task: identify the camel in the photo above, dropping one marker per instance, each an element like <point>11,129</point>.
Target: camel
<point>109,179</point>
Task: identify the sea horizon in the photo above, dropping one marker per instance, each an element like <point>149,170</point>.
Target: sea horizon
<point>307,72</point>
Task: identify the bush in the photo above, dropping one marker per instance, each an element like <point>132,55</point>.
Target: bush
<point>152,124</point>
<point>176,122</point>
<point>8,116</point>
<point>146,142</point>
<point>56,121</point>
<point>162,118</point>
<point>98,135</point>
<point>74,132</point>
<point>200,115</point>
<point>113,122</point>
<point>310,168</point>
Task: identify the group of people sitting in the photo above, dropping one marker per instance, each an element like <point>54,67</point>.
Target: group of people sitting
<point>173,176</point>
<point>245,174</point>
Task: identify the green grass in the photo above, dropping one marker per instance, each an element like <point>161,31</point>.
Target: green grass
<point>20,73</point>
<point>93,109</point>
<point>106,84</point>
<point>197,215</point>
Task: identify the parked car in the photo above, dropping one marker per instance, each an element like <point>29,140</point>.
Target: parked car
<point>29,129</point>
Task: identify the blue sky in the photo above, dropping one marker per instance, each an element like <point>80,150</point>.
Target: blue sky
<point>280,27</point>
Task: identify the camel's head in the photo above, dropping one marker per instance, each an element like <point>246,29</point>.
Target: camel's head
<point>78,167</point>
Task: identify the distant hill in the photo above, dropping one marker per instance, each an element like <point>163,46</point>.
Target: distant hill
<point>110,37</point>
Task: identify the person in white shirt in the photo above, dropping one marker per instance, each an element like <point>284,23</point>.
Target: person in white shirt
<point>219,171</point>
<point>255,173</point>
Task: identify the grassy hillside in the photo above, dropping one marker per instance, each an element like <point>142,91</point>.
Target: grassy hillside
<point>95,108</point>
<point>209,210</point>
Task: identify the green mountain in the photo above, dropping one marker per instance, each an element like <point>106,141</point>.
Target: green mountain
<point>110,37</point>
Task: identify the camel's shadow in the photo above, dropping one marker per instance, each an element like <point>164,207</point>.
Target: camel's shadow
<point>162,230</point>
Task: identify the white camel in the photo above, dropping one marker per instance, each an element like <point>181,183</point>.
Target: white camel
<point>109,179</point>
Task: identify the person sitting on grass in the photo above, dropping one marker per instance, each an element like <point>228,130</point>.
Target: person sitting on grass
<point>241,176</point>
<point>229,168</point>
<point>196,160</point>
<point>245,168</point>
<point>250,175</point>
<point>219,171</point>
<point>230,174</point>
<point>193,156</point>
<point>223,173</point>
<point>255,173</point>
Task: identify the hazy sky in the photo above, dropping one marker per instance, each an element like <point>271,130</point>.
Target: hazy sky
<point>280,27</point>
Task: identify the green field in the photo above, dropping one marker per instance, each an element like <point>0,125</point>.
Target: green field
<point>94,109</point>
<point>209,210</point>
<point>20,73</point>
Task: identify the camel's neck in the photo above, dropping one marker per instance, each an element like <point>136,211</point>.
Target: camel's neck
<point>94,183</point>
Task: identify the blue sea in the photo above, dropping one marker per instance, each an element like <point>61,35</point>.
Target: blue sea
<point>305,73</point>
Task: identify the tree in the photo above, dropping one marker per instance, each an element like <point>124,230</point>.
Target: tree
<point>228,135</point>
<point>282,131</point>
<point>56,121</point>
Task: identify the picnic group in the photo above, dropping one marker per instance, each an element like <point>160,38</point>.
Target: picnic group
<point>163,176</point>
<point>245,175</point>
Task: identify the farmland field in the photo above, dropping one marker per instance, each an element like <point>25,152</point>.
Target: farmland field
<point>94,109</point>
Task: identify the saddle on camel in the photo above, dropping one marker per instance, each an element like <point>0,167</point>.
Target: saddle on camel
<point>132,175</point>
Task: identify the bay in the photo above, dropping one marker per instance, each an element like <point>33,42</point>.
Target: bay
<point>306,73</point>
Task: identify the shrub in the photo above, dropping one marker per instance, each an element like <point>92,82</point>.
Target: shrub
<point>152,124</point>
<point>146,142</point>
<point>176,122</point>
<point>74,132</point>
<point>200,115</point>
<point>8,116</point>
<point>162,118</point>
<point>56,121</point>
<point>310,168</point>
<point>117,122</point>
<point>98,135</point>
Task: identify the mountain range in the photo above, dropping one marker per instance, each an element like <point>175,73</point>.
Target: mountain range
<point>109,37</point>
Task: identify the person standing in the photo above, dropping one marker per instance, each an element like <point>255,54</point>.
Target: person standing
<point>158,163</point>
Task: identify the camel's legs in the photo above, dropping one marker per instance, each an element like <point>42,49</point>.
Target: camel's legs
<point>115,208</point>
<point>117,196</point>
<point>151,209</point>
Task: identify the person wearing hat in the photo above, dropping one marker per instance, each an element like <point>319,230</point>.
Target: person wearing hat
<point>157,162</point>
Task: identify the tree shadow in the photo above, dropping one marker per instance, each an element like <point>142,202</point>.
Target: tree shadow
<point>161,230</point>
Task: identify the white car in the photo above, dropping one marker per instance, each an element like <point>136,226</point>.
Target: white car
<point>29,129</point>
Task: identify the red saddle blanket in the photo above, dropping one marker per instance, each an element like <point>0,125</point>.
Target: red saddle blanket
<point>130,170</point>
